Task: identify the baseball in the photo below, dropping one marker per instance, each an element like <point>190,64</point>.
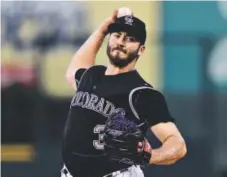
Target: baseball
<point>123,11</point>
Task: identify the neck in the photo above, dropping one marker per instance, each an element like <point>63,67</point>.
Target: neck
<point>113,70</point>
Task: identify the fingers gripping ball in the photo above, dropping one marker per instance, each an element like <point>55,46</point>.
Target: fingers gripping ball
<point>123,11</point>
<point>144,146</point>
<point>124,141</point>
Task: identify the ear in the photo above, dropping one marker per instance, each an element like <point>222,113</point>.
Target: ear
<point>141,50</point>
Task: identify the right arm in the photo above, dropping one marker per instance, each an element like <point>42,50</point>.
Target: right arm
<point>85,56</point>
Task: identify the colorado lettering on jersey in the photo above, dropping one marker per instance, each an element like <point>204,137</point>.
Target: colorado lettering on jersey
<point>93,102</point>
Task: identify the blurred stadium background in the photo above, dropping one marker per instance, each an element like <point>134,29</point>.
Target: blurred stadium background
<point>186,59</point>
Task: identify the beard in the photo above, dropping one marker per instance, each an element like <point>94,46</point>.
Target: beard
<point>119,61</point>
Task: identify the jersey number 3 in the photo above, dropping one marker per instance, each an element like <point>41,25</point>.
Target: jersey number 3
<point>98,144</point>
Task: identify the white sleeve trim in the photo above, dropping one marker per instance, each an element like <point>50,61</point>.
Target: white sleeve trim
<point>130,99</point>
<point>78,81</point>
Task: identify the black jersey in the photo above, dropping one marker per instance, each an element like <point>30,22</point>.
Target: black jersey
<point>97,97</point>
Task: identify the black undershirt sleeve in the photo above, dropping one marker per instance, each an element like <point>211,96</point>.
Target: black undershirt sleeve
<point>151,105</point>
<point>78,75</point>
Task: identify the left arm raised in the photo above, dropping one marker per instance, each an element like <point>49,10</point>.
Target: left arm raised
<point>152,105</point>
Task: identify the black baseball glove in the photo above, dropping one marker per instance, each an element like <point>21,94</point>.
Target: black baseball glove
<point>121,139</point>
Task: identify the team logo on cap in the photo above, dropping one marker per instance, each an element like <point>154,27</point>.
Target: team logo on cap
<point>128,20</point>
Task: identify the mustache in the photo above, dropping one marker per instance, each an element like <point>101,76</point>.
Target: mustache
<point>120,49</point>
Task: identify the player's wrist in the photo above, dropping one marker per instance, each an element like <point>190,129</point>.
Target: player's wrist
<point>102,33</point>
<point>98,34</point>
<point>103,28</point>
<point>105,24</point>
